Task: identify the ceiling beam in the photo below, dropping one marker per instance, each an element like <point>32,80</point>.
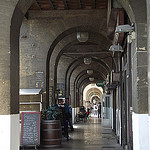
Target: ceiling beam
<point>80,53</point>
<point>94,4</point>
<point>66,5</point>
<point>51,3</point>
<point>38,5</point>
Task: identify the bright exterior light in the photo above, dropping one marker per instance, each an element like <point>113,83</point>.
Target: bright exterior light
<point>82,36</point>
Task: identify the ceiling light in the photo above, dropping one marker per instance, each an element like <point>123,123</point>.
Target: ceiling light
<point>91,78</point>
<point>82,36</point>
<point>89,72</point>
<point>87,61</point>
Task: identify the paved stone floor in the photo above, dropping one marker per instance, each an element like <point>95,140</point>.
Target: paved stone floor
<point>89,136</point>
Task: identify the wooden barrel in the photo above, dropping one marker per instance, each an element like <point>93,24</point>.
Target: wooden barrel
<point>51,135</point>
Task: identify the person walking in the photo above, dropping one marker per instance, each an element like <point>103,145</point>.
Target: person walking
<point>95,109</point>
<point>64,119</point>
<point>99,110</point>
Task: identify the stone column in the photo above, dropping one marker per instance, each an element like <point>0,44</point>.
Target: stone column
<point>136,11</point>
<point>140,89</point>
<point>9,108</point>
<point>148,50</point>
<point>10,22</point>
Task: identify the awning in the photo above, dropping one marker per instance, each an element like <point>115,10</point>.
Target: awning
<point>30,91</point>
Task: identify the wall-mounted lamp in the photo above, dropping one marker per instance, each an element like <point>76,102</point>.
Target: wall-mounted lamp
<point>82,36</point>
<point>124,28</point>
<point>91,78</point>
<point>116,48</point>
<point>89,72</point>
<point>87,61</point>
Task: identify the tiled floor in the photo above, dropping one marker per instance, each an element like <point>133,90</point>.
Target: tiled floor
<point>89,136</point>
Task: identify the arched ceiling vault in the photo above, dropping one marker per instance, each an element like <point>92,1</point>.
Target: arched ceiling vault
<point>56,41</point>
<point>89,85</point>
<point>89,90</point>
<point>80,67</point>
<point>81,74</point>
<point>95,75</point>
<point>86,81</point>
<point>93,47</point>
<point>22,5</point>
<point>68,5</point>
<point>93,91</point>
<point>103,59</point>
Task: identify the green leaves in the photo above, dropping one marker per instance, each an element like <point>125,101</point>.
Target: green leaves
<point>52,113</point>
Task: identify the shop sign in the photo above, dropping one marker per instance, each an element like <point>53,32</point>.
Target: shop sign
<point>101,83</point>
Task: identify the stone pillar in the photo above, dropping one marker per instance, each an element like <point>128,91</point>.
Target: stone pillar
<point>136,11</point>
<point>140,89</point>
<point>9,108</point>
<point>10,22</point>
<point>148,50</point>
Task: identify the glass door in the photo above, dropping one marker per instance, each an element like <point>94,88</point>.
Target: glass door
<point>107,110</point>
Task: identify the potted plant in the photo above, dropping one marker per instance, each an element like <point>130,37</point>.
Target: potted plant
<point>51,132</point>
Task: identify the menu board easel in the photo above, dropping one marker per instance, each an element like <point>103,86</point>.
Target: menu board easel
<point>30,129</point>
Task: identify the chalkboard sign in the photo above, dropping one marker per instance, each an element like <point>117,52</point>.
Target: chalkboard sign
<point>30,128</point>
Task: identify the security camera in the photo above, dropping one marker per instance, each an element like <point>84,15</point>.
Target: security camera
<point>116,48</point>
<point>124,28</point>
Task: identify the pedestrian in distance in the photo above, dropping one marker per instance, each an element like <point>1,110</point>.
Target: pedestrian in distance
<point>99,110</point>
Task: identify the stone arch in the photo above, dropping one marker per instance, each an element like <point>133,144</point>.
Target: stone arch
<point>12,14</point>
<point>96,75</point>
<point>60,54</point>
<point>83,84</point>
<point>76,65</point>
<point>83,74</point>
<point>56,41</point>
<point>16,20</point>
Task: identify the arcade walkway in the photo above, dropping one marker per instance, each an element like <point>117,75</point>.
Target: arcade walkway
<point>90,136</point>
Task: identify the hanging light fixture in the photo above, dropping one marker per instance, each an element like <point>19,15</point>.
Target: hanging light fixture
<point>87,61</point>
<point>91,78</point>
<point>82,36</point>
<point>89,72</point>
